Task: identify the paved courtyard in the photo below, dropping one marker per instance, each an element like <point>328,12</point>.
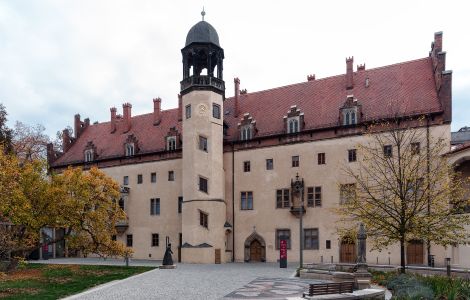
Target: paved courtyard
<point>187,281</point>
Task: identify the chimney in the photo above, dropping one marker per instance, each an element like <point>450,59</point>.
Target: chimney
<point>126,108</point>
<point>442,78</point>
<point>66,139</point>
<point>445,95</point>
<point>157,110</point>
<point>349,72</point>
<point>113,119</point>
<point>50,153</point>
<point>180,107</point>
<point>77,128</point>
<point>311,77</point>
<point>437,41</point>
<point>361,67</point>
<point>236,81</point>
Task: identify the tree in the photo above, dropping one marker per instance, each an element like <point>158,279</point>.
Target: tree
<point>404,189</point>
<point>30,142</point>
<point>5,132</point>
<point>59,139</point>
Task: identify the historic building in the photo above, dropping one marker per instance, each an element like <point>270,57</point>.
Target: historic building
<point>221,177</point>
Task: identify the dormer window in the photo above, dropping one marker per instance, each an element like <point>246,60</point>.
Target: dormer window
<point>247,127</point>
<point>89,155</point>
<point>350,113</point>
<point>171,143</point>
<point>294,121</point>
<point>350,116</point>
<point>293,125</point>
<point>130,151</point>
<point>245,133</point>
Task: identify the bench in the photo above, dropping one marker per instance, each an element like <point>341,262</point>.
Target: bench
<point>316,289</point>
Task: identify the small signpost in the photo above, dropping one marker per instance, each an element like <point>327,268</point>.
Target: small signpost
<point>283,254</point>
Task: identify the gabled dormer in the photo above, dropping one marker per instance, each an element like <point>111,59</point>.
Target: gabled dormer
<point>131,146</point>
<point>90,152</point>
<point>247,127</point>
<point>350,113</point>
<point>294,120</point>
<point>172,139</point>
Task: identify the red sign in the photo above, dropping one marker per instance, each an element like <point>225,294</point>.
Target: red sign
<point>283,249</point>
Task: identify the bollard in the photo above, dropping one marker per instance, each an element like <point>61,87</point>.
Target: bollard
<point>448,266</point>
<point>332,259</point>
<point>389,260</point>
<point>321,258</point>
<point>377,260</point>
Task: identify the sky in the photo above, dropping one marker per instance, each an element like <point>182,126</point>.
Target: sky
<point>60,58</point>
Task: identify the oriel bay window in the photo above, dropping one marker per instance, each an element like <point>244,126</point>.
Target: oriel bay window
<point>311,239</point>
<point>283,234</point>
<point>282,198</point>
<point>246,200</point>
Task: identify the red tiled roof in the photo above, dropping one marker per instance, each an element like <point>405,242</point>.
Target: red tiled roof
<point>405,88</point>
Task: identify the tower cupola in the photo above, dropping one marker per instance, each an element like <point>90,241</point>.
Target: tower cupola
<point>202,60</point>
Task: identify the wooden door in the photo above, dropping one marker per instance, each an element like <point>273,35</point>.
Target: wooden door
<point>217,256</point>
<point>415,253</point>
<point>347,253</point>
<point>255,251</point>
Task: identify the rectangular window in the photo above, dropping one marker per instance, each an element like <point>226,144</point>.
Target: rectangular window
<point>203,219</point>
<point>282,234</point>
<point>171,143</point>
<point>311,239</point>
<point>347,192</point>
<point>317,196</point>
<point>269,164</point>
<point>180,205</point>
<point>352,155</point>
<point>155,240</point>
<point>139,179</point>
<point>282,198</point>
<point>153,177</point>
<point>203,184</point>
<point>125,180</point>
<point>129,240</point>
<point>216,110</point>
<point>314,196</point>
<point>246,200</point>
<point>171,176</point>
<point>328,244</point>
<point>321,158</point>
<point>415,147</point>
<point>310,197</point>
<point>388,151</point>
<point>246,166</point>
<point>188,111</point>
<point>202,143</point>
<point>155,206</point>
<point>295,161</point>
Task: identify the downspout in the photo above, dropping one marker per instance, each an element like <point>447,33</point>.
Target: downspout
<point>428,170</point>
<point>233,203</point>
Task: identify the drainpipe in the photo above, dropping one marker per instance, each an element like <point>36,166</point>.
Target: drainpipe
<point>428,169</point>
<point>233,202</point>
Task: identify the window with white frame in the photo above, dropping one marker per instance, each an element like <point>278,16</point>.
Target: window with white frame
<point>130,149</point>
<point>350,116</point>
<point>293,125</point>
<point>171,143</point>
<point>89,155</point>
<point>246,133</point>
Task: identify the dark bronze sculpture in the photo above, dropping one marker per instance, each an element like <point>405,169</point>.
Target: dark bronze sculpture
<point>167,259</point>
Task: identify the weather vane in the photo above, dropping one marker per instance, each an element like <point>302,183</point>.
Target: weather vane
<point>203,13</point>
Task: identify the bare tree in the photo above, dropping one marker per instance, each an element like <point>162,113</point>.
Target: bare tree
<point>30,142</point>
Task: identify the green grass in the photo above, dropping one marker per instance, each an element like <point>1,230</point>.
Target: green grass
<point>37,281</point>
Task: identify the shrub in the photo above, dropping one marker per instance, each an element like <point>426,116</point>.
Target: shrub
<point>409,287</point>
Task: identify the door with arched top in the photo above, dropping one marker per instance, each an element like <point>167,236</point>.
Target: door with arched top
<point>256,251</point>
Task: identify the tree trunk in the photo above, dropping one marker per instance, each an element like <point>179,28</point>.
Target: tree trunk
<point>402,255</point>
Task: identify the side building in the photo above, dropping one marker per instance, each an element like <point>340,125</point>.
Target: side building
<point>217,175</point>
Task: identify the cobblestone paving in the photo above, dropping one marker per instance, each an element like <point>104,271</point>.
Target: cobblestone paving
<point>188,282</point>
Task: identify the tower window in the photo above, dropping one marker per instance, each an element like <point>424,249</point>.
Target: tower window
<point>203,219</point>
<point>202,143</point>
<point>203,184</point>
<point>130,149</point>
<point>188,111</point>
<point>216,111</point>
<point>171,143</point>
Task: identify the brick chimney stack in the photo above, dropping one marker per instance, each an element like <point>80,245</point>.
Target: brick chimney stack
<point>236,81</point>
<point>311,77</point>
<point>361,67</point>
<point>66,142</point>
<point>157,111</point>
<point>113,119</point>
<point>349,72</point>
<point>180,107</point>
<point>126,108</point>
<point>77,126</point>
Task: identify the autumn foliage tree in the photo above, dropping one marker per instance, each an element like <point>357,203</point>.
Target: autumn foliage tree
<point>404,189</point>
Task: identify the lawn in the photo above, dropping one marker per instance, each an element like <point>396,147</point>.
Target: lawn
<point>39,281</point>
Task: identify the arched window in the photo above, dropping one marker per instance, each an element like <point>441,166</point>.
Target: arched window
<point>353,117</point>
<point>88,155</point>
<point>130,149</point>
<point>347,119</point>
<point>293,126</point>
<point>171,143</point>
<point>246,133</point>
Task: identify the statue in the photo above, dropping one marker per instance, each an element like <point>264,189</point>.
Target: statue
<point>167,259</point>
<point>361,237</point>
<point>362,275</point>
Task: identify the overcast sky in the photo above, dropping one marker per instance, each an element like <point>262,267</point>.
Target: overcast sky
<point>59,58</point>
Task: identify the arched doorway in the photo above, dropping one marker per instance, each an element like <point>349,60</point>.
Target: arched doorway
<point>415,252</point>
<point>255,248</point>
<point>347,252</point>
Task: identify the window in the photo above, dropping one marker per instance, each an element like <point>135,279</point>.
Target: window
<point>155,240</point>
<point>188,111</point>
<point>203,219</point>
<point>388,151</point>
<point>203,143</point>
<point>129,240</point>
<point>314,196</point>
<point>293,125</point>
<point>130,149</point>
<point>246,166</point>
<point>311,239</point>
<point>125,180</point>
<point>171,176</point>
<point>216,110</point>
<point>180,205</point>
<point>245,133</point>
<point>203,184</point>
<point>328,244</point>
<point>269,164</point>
<point>246,200</point>
<point>350,116</point>
<point>282,234</point>
<point>347,192</point>
<point>113,237</point>
<point>415,147</point>
<point>153,177</point>
<point>352,155</point>
<point>282,198</point>
<point>171,143</point>
<point>88,155</point>
<point>139,179</point>
<point>321,158</point>
<point>295,161</point>
<point>154,206</point>
<point>121,203</point>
